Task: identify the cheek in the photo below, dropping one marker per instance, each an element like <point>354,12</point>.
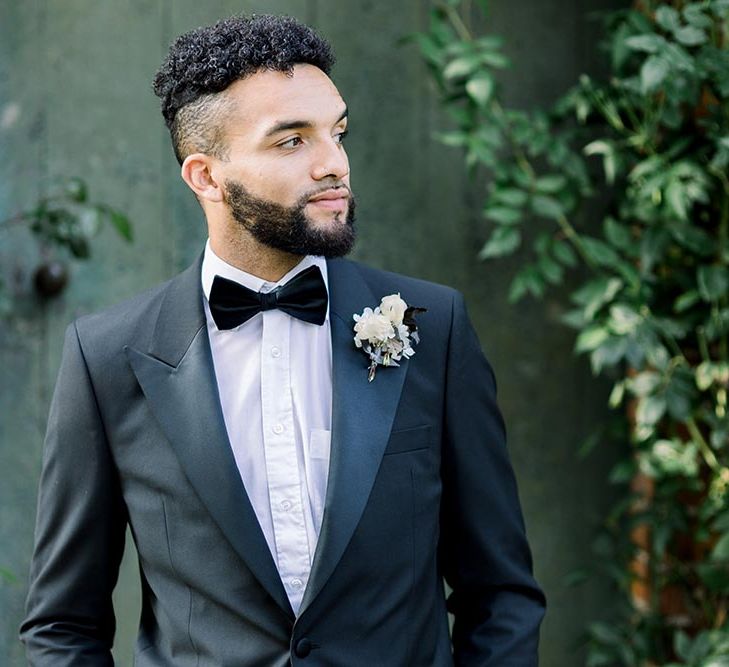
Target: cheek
<point>281,182</point>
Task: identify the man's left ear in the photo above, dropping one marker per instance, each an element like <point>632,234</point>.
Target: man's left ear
<point>197,172</point>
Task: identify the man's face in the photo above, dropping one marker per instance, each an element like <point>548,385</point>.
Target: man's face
<point>286,179</point>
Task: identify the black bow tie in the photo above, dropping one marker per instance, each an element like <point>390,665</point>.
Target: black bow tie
<point>304,296</point>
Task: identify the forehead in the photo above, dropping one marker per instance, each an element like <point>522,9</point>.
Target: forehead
<point>268,97</point>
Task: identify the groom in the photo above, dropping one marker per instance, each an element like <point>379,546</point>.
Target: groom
<point>287,505</point>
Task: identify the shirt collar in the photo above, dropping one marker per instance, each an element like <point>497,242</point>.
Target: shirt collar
<point>213,265</point>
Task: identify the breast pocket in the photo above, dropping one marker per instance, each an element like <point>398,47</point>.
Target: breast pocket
<point>412,439</point>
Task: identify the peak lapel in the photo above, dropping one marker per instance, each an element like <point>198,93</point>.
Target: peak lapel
<point>177,377</point>
<point>362,417</point>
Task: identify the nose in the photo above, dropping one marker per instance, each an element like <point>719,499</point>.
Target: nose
<point>330,161</point>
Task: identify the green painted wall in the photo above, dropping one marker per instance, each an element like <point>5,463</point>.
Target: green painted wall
<point>75,99</point>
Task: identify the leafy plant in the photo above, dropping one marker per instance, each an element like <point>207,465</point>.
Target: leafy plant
<point>66,219</point>
<point>652,311</point>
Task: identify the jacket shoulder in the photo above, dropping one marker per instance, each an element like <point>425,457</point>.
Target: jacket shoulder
<point>380,279</point>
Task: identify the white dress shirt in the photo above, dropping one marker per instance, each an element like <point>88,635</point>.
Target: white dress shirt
<point>274,375</point>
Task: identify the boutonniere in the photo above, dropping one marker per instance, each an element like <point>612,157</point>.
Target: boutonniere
<point>387,333</point>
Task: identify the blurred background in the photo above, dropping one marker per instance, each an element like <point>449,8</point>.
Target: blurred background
<point>76,103</point>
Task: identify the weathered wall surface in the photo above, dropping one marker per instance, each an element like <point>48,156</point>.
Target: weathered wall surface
<point>75,99</point>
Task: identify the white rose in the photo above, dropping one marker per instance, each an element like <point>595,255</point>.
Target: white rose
<point>373,326</point>
<point>393,307</point>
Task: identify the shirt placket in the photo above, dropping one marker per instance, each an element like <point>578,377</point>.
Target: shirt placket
<point>279,442</point>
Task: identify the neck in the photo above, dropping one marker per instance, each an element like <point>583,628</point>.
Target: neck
<point>249,255</point>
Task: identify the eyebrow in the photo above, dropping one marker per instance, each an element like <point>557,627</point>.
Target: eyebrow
<point>299,124</point>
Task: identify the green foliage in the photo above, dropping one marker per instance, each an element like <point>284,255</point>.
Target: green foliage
<point>652,309</point>
<point>67,219</point>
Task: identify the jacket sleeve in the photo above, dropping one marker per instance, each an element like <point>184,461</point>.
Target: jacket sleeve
<point>80,529</point>
<point>483,549</point>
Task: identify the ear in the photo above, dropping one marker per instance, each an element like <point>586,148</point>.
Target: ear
<point>197,172</point>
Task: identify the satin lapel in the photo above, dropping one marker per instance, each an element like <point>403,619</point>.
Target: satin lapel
<point>178,379</point>
<point>362,417</point>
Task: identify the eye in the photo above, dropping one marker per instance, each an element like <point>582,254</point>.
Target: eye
<point>341,136</point>
<point>291,143</point>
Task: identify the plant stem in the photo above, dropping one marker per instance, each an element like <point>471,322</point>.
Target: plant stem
<point>574,237</point>
<point>706,451</point>
<point>456,21</point>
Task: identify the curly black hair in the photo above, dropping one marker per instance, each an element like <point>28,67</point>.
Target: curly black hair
<point>204,62</point>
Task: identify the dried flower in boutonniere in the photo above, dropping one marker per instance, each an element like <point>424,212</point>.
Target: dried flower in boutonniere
<point>387,333</point>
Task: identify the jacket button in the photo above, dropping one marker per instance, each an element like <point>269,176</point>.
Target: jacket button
<point>303,648</point>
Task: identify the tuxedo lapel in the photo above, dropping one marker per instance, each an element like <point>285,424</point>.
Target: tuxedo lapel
<point>362,418</point>
<point>177,377</point>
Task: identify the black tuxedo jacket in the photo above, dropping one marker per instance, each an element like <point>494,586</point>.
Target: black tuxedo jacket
<point>420,489</point>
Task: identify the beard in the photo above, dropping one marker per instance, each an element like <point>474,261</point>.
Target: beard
<point>288,228</point>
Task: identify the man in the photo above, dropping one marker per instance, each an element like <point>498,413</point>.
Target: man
<point>292,500</point>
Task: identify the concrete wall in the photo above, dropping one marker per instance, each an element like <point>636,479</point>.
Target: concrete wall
<point>75,99</point>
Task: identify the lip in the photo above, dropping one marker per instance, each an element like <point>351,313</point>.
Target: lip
<point>330,195</point>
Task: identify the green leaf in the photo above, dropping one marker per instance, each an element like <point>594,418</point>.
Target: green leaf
<point>715,577</point>
<point>720,552</point>
<point>563,252</point>
<point>455,138</point>
<point>528,280</point>
<point>652,74</point>
<point>644,383</point>
<point>609,159</point>
<point>678,399</point>
<point>480,88</point>
<point>494,59</point>
<point>617,394</point>
<point>550,183</point>
<point>650,409</point>
<point>682,645</point>
<point>503,241</point>
<point>695,16</point>
<point>621,472</point>
<point>670,457</point>
<point>623,319</point>
<point>685,301</point>
<point>430,49</point>
<point>618,234</point>
<point>503,215</point>
<point>547,207</point>
<point>667,18</point>
<point>591,338</point>
<point>552,271</point>
<point>601,253</point>
<point>510,196</point>
<point>713,282</point>
<point>690,36</point>
<point>704,374</point>
<point>121,224</point>
<point>610,353</point>
<point>461,67</point>
<point>517,289</point>
<point>692,237</point>
<point>589,443</point>
<point>676,198</point>
<point>649,43</point>
<point>594,294</point>
<point>76,190</point>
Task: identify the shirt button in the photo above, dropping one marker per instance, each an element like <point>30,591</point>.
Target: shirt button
<point>275,351</point>
<point>278,428</point>
<point>296,583</point>
<point>285,505</point>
